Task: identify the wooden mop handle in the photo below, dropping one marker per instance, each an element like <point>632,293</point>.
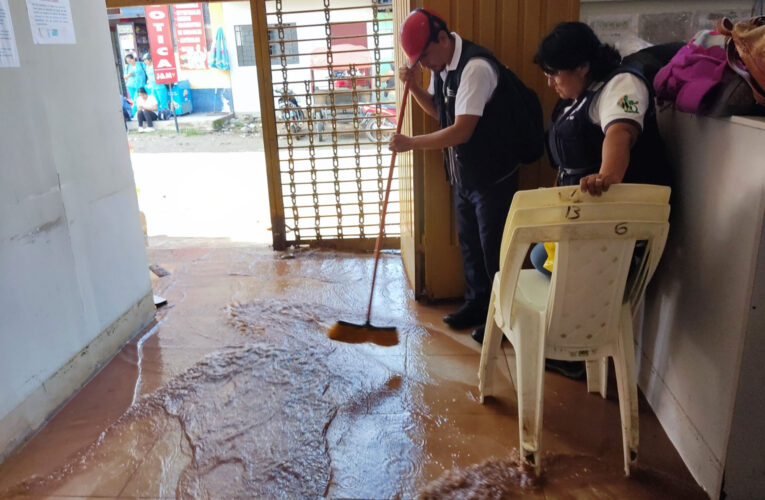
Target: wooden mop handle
<point>378,243</point>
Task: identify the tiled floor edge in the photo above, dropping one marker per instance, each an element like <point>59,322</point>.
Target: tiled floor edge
<point>23,422</point>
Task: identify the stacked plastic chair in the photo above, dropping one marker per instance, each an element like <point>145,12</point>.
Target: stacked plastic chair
<point>585,311</point>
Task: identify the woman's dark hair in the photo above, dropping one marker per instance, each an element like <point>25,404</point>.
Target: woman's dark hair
<point>129,56</point>
<point>570,45</point>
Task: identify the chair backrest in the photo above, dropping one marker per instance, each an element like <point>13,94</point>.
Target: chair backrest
<point>565,195</point>
<point>587,290</point>
<point>589,276</point>
<point>572,196</point>
<point>596,242</point>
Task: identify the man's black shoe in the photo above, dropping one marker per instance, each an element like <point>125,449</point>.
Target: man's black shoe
<point>466,316</point>
<point>571,369</point>
<point>478,334</point>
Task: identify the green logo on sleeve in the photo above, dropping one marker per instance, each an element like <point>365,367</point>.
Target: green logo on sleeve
<point>628,105</point>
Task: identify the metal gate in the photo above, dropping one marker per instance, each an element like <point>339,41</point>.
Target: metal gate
<point>333,86</point>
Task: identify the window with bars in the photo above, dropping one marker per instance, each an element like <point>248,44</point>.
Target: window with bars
<point>290,47</point>
<point>245,45</point>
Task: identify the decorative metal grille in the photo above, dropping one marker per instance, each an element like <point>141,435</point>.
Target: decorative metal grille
<point>335,110</point>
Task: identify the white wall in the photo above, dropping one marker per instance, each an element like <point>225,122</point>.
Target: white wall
<point>698,305</point>
<point>745,464</point>
<point>72,258</point>
<point>244,79</point>
<point>314,37</point>
<point>618,22</point>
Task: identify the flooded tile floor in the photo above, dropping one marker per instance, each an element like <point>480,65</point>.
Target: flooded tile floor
<point>237,392</point>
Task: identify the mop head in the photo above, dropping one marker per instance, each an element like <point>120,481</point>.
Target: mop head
<point>385,336</point>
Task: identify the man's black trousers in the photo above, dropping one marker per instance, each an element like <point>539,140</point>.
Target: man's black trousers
<point>481,216</point>
<point>144,115</point>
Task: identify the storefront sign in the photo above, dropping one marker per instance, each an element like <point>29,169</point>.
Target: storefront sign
<point>190,35</point>
<point>161,43</point>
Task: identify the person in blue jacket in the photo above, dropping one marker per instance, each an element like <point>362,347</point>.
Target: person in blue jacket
<point>158,90</point>
<point>135,77</point>
<point>148,67</point>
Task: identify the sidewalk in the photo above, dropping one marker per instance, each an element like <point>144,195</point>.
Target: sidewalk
<point>193,121</point>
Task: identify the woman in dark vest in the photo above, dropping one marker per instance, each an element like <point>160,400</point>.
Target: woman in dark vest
<point>603,128</point>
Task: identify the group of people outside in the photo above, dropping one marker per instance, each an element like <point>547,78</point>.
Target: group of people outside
<point>142,90</point>
<point>602,131</point>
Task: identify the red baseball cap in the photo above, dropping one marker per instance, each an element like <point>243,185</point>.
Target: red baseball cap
<point>420,28</point>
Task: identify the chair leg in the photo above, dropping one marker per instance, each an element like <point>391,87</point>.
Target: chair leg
<point>529,352</point>
<point>597,376</point>
<point>492,340</point>
<point>626,381</point>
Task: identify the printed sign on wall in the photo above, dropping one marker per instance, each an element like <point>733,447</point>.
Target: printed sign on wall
<point>9,54</point>
<point>51,21</point>
<point>161,43</point>
<point>190,35</point>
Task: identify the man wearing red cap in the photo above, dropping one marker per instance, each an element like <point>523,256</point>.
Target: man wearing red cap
<point>468,95</point>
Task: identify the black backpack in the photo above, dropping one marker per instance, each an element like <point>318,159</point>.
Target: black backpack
<point>525,116</point>
<point>650,60</point>
<point>510,133</point>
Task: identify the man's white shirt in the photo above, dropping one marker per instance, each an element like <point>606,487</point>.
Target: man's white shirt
<point>479,79</point>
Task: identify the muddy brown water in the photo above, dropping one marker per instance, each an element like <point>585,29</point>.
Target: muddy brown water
<point>278,410</point>
<point>563,476</point>
<point>247,421</point>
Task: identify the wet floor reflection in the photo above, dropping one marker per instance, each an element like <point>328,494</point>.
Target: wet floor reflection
<point>239,393</point>
<point>250,420</point>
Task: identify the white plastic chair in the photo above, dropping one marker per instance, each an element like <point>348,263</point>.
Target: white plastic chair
<point>573,196</point>
<point>585,311</point>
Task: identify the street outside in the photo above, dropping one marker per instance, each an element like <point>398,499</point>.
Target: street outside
<point>197,184</point>
<point>210,185</point>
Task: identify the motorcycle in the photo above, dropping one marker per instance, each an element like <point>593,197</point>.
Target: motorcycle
<point>388,121</point>
<point>292,115</point>
<point>294,118</point>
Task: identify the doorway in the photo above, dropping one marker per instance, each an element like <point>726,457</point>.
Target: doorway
<point>200,168</point>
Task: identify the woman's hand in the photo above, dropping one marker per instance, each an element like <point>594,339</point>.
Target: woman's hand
<point>596,184</point>
<point>400,143</point>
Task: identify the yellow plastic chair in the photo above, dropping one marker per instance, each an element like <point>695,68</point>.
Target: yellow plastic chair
<point>585,311</point>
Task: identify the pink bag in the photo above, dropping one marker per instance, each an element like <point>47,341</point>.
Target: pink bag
<point>693,72</point>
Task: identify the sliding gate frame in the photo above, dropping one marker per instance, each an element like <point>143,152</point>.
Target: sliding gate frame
<point>282,160</point>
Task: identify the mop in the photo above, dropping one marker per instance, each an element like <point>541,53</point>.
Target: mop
<point>352,333</point>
